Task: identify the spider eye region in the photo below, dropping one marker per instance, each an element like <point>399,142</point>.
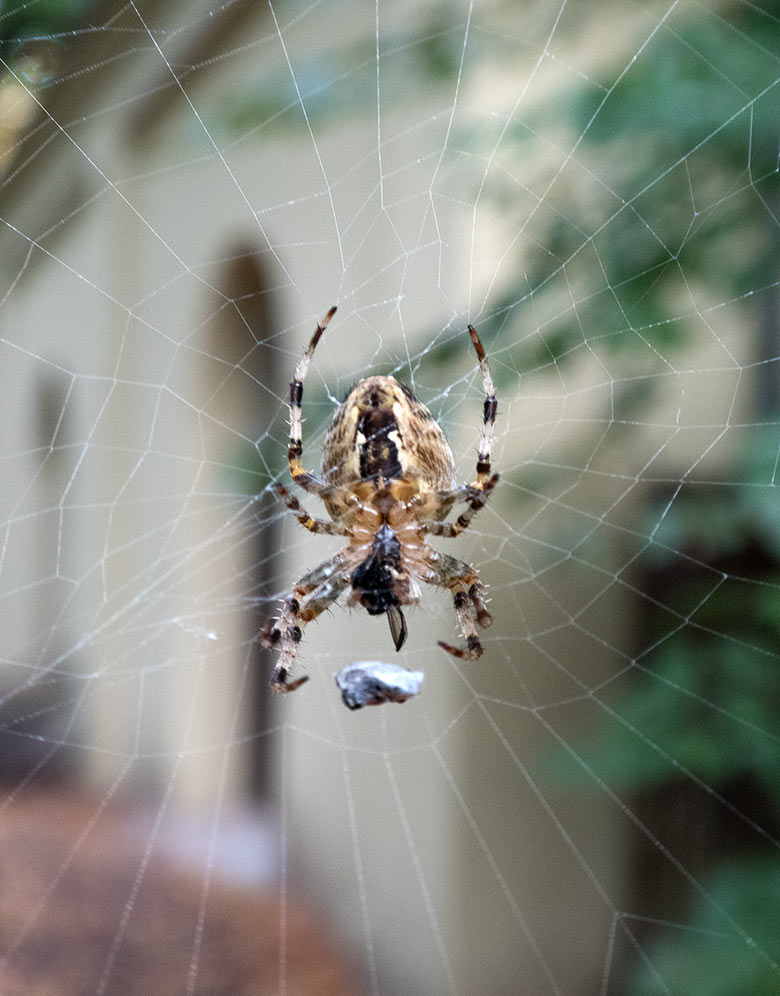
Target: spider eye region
<point>373,579</point>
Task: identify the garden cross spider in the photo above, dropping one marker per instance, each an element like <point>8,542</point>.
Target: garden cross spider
<point>388,479</point>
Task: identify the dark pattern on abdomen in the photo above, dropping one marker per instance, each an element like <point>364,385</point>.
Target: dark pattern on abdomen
<point>378,454</point>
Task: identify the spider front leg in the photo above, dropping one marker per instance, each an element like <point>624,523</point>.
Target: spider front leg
<point>474,495</point>
<point>311,595</point>
<point>489,412</point>
<point>301,476</point>
<point>468,595</point>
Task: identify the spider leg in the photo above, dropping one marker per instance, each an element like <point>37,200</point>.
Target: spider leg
<point>311,595</point>
<point>489,411</point>
<point>300,513</point>
<point>468,596</point>
<point>301,476</point>
<point>474,497</point>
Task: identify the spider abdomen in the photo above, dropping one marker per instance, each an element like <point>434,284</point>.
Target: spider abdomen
<point>382,431</point>
<point>378,441</point>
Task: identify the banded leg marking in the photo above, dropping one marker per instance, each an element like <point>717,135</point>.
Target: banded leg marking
<point>309,482</point>
<point>311,595</point>
<point>489,412</point>
<point>475,498</point>
<point>468,596</point>
<point>306,520</point>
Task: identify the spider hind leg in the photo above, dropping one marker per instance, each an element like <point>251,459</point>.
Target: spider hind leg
<point>468,596</point>
<point>314,593</point>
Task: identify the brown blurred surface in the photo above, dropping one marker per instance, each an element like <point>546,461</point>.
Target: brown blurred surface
<point>84,910</point>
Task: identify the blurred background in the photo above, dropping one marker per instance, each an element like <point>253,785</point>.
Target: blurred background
<point>185,188</point>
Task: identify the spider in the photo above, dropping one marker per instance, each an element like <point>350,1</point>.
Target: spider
<point>388,479</point>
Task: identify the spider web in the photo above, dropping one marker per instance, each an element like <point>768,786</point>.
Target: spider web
<point>186,188</point>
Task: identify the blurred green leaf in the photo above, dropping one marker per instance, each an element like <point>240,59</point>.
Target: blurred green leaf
<point>730,944</point>
<point>675,186</point>
<point>44,18</point>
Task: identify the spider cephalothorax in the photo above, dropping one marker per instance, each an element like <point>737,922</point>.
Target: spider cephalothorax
<point>388,479</point>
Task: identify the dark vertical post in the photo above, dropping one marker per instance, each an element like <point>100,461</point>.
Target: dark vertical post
<point>250,321</point>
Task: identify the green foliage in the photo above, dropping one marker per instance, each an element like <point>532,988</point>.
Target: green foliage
<point>42,19</point>
<point>702,707</point>
<point>34,37</point>
<point>727,516</point>
<point>674,186</point>
<point>705,704</point>
<point>705,699</point>
<point>341,74</point>
<point>728,948</point>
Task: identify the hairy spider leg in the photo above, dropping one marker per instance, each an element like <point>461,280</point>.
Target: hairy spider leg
<point>301,476</point>
<point>468,596</point>
<point>489,411</point>
<point>306,520</point>
<point>474,497</point>
<point>311,595</point>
